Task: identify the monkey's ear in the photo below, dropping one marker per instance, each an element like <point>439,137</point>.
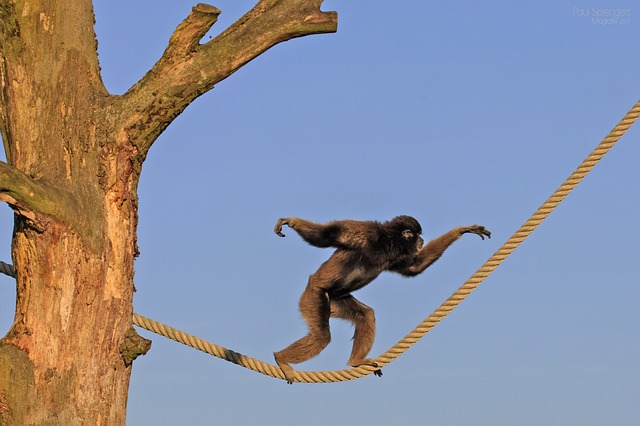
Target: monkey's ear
<point>407,234</point>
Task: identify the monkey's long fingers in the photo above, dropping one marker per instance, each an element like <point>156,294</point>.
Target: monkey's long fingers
<point>484,232</point>
<point>278,231</point>
<point>479,230</point>
<point>278,228</point>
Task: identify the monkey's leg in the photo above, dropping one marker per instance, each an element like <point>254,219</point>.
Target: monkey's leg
<point>363,318</point>
<point>315,309</point>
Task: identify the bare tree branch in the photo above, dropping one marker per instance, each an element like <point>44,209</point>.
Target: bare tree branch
<point>25,194</point>
<point>188,69</point>
<point>186,38</point>
<point>27,197</point>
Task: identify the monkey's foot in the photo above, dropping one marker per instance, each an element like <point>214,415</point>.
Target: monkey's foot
<point>363,361</point>
<point>366,361</point>
<point>289,372</point>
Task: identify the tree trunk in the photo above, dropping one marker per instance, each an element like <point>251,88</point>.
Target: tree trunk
<point>74,157</point>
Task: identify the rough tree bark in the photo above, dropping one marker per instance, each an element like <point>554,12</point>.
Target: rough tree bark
<point>74,156</point>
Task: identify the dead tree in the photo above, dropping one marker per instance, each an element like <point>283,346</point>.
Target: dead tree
<point>74,155</point>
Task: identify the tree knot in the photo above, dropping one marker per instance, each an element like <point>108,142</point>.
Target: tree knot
<point>133,346</point>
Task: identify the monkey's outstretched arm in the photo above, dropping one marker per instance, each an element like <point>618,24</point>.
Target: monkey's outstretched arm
<point>434,249</point>
<point>340,233</point>
<point>314,233</point>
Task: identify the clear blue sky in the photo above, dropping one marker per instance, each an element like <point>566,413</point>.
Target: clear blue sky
<point>456,113</point>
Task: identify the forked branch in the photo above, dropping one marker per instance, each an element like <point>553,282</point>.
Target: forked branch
<point>188,68</point>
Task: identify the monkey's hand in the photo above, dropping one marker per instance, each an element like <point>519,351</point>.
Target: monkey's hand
<point>278,228</point>
<point>378,372</point>
<point>476,229</point>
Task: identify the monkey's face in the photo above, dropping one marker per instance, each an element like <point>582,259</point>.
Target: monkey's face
<point>410,230</point>
<point>412,239</point>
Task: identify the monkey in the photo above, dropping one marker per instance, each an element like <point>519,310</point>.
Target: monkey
<point>364,249</point>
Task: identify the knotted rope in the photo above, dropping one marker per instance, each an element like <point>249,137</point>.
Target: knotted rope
<point>425,326</point>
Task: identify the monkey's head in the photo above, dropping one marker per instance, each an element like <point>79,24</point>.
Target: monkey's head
<point>408,231</point>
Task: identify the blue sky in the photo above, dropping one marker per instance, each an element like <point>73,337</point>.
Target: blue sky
<point>456,113</point>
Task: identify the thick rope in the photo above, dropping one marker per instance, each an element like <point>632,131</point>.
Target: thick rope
<point>423,328</point>
<point>7,269</point>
